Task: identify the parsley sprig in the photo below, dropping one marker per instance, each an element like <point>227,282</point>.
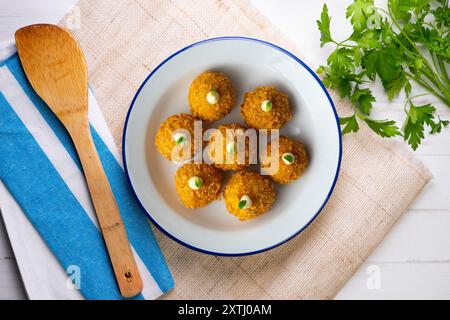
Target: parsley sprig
<point>407,43</point>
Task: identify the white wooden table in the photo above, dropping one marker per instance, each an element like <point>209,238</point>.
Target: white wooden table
<point>413,262</point>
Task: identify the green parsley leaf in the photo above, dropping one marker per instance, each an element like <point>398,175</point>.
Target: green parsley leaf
<point>394,87</point>
<point>358,12</point>
<point>418,117</point>
<point>384,62</point>
<point>321,69</point>
<point>324,26</point>
<point>442,13</point>
<point>387,34</point>
<point>341,59</point>
<point>342,82</point>
<point>367,39</point>
<point>363,99</point>
<point>350,123</point>
<point>384,128</point>
<point>418,63</point>
<point>437,127</point>
<point>402,8</point>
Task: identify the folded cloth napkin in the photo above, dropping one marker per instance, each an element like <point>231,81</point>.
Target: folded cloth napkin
<point>40,169</point>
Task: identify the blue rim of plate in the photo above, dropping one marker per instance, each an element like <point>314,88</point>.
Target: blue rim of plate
<point>274,47</point>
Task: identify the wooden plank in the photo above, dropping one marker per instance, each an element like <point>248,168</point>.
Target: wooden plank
<point>436,194</point>
<point>413,261</point>
<point>399,281</point>
<point>419,236</point>
<point>24,12</point>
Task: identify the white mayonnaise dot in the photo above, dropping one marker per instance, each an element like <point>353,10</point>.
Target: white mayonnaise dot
<point>180,137</point>
<point>288,158</point>
<point>195,183</point>
<point>231,147</point>
<point>245,202</point>
<point>266,105</point>
<point>213,96</point>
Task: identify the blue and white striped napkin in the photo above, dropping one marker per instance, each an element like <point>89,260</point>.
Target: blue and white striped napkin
<point>42,180</point>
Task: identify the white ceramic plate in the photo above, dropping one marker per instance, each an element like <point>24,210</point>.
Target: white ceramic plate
<point>249,63</point>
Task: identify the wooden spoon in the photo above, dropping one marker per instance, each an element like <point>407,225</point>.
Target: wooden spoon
<point>56,68</point>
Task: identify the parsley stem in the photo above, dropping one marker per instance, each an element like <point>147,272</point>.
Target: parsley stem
<point>360,115</point>
<point>413,97</point>
<point>437,83</point>
<point>343,44</point>
<point>400,28</point>
<point>433,77</point>
<point>441,72</point>
<point>443,68</point>
<point>425,85</point>
<point>430,77</point>
<point>428,72</point>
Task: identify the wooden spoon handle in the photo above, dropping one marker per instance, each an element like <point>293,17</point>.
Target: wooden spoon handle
<point>110,221</point>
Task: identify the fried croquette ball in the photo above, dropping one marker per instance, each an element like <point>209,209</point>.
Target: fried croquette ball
<point>266,108</point>
<point>248,195</point>
<point>292,160</point>
<point>211,96</point>
<point>176,131</point>
<point>198,184</point>
<point>228,147</point>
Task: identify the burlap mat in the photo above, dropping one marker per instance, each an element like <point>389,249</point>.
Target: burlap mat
<point>124,40</point>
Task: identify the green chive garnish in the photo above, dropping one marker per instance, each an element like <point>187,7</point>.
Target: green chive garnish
<point>289,158</point>
<point>242,204</point>
<point>180,140</point>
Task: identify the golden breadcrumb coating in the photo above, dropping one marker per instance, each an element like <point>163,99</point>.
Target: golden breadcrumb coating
<point>210,191</point>
<point>255,117</point>
<point>164,139</point>
<point>199,89</point>
<point>260,190</point>
<point>229,133</point>
<point>287,173</point>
